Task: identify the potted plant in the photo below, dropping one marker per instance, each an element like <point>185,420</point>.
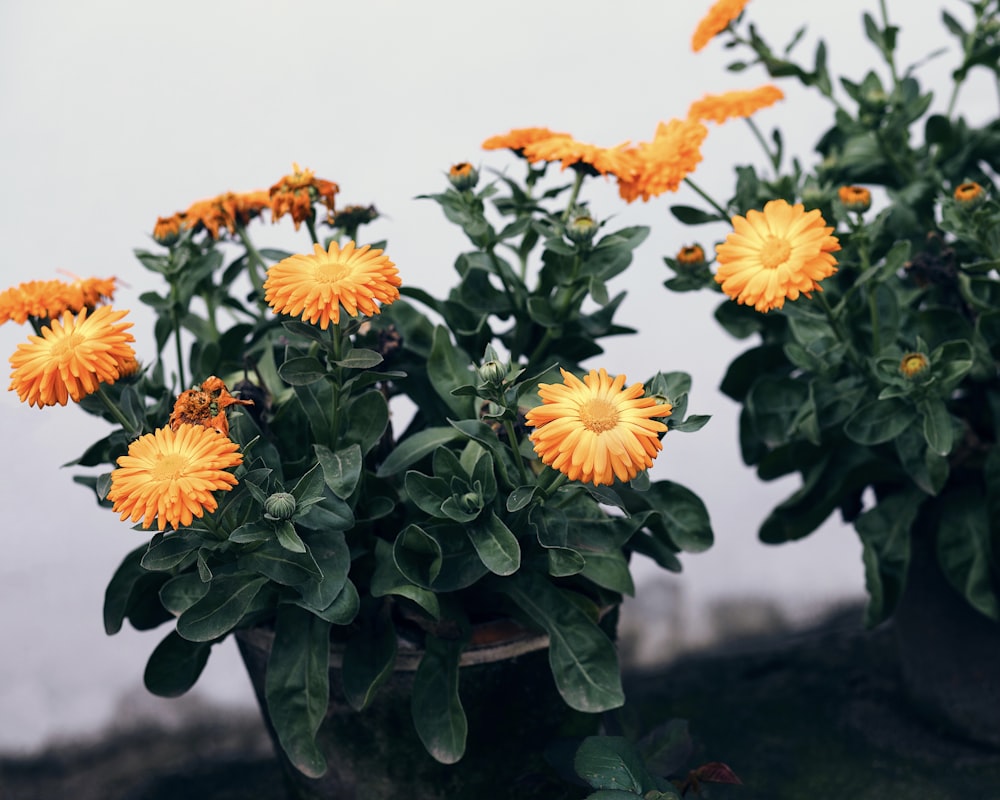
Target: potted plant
<point>868,285</point>
<point>360,480</point>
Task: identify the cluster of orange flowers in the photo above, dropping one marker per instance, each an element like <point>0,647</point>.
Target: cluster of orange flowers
<point>295,194</point>
<point>43,300</point>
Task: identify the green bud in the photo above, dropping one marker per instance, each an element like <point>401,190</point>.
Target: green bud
<point>280,505</point>
<point>581,228</point>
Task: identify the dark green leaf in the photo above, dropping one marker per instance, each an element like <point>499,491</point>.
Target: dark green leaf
<point>437,710</point>
<point>496,545</point>
<point>221,609</point>
<point>341,469</point>
<point>413,448</point>
<point>612,762</point>
<point>369,659</point>
<point>175,665</point>
<point>964,548</point>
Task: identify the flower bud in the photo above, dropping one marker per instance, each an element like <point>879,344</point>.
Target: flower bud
<point>463,176</point>
<point>970,194</point>
<point>913,364</point>
<point>492,373</point>
<point>855,198</point>
<point>581,228</point>
<point>167,230</point>
<point>691,257</point>
<point>280,505</point>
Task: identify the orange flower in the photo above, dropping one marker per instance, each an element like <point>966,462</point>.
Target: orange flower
<point>518,138</point>
<point>720,107</point>
<point>72,357</point>
<point>781,252</point>
<point>594,160</point>
<point>969,193</point>
<point>296,193</point>
<point>855,198</point>
<point>595,430</point>
<point>168,229</point>
<point>222,212</point>
<point>43,300</point>
<point>170,476</point>
<point>205,406</point>
<point>316,286</point>
<point>662,164</point>
<point>715,21</point>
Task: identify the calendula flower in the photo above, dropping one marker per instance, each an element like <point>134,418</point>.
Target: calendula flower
<point>661,165</point>
<point>167,230</point>
<point>690,256</point>
<point>72,357</point>
<point>912,364</point>
<point>463,176</point>
<point>595,429</point>
<point>43,300</point>
<point>223,212</point>
<point>720,107</point>
<point>170,476</point>
<point>970,194</point>
<point>855,198</point>
<point>316,286</point>
<point>780,252</point>
<point>716,21</point>
<point>205,406</point>
<point>593,160</point>
<point>295,195</point>
<point>518,138</point>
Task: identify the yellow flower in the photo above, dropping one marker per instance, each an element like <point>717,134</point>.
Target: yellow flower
<point>715,21</point>
<point>662,164</point>
<point>912,364</point>
<point>593,430</point>
<point>969,193</point>
<point>594,160</point>
<point>720,107</point>
<point>170,475</point>
<point>780,252</point>
<point>72,357</point>
<point>855,198</point>
<point>518,138</point>
<point>296,193</point>
<point>316,286</point>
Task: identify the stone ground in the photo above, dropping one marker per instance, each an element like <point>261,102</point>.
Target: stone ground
<point>815,714</point>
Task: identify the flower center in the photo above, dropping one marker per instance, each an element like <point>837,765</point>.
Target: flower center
<point>332,272</point>
<point>66,346</point>
<point>598,415</point>
<point>775,252</point>
<point>169,467</point>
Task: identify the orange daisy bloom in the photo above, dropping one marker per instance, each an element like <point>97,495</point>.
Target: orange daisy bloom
<point>220,213</point>
<point>72,357</point>
<point>720,107</point>
<point>518,138</point>
<point>43,300</point>
<point>662,164</point>
<point>296,193</point>
<point>780,252</point>
<point>205,406</point>
<point>316,286</point>
<point>716,21</point>
<point>170,476</point>
<point>619,161</point>
<point>595,430</point>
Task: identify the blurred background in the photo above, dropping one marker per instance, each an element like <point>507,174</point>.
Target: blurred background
<point>113,113</point>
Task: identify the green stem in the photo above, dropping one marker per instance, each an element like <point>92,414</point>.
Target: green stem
<point>889,57</point>
<point>254,261</point>
<point>311,227</point>
<point>117,413</point>
<point>708,199</point>
<point>839,332</point>
<point>573,194</point>
<point>522,468</point>
<point>175,322</point>
<point>772,157</point>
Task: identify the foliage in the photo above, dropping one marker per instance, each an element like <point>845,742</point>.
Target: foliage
<point>881,389</point>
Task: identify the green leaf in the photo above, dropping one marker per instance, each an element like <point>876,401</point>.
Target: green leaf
<point>417,555</point>
<point>288,538</point>
<point>387,580</point>
<point>221,609</point>
<point>181,592</point>
<point>427,492</point>
<point>133,592</point>
<point>693,216</point>
<point>610,570</point>
<point>175,665</point>
<point>879,421</point>
<point>612,762</point>
<point>683,517</point>
<point>302,370</point>
<point>583,660</point>
<point>496,545</point>
<point>449,368</point>
<point>332,556</point>
<point>885,538</point>
<point>369,659</point>
<point>341,469</point>
<point>280,565</point>
<point>413,448</point>
<point>297,685</point>
<point>437,710</point>
<point>369,416</point>
<point>359,358</point>
<point>964,548</point>
<point>938,427</point>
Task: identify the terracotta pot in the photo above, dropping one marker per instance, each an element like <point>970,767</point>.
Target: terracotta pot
<point>949,653</point>
<point>513,708</point>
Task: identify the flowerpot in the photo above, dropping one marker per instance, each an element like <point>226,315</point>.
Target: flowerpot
<point>513,709</point>
<point>949,653</point>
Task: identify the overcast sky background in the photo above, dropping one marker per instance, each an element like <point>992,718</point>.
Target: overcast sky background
<point>113,113</point>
